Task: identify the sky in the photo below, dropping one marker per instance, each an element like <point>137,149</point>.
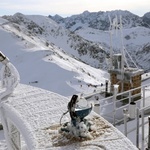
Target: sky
<point>67,8</point>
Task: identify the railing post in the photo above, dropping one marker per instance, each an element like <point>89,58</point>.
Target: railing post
<point>97,105</point>
<point>5,128</point>
<point>144,96</point>
<point>148,148</point>
<point>10,79</point>
<point>14,135</point>
<point>114,103</point>
<point>137,128</point>
<point>129,97</point>
<point>142,116</point>
<point>125,113</point>
<point>114,111</point>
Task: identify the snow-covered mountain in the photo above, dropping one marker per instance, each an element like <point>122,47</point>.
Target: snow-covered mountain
<point>50,32</point>
<point>94,26</point>
<point>51,57</point>
<point>59,59</point>
<point>31,44</point>
<point>100,20</point>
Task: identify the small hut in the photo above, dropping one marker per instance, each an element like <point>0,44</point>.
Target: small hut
<point>126,78</point>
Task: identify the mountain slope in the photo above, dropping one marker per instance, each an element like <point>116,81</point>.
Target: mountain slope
<point>94,27</point>
<point>46,66</point>
<point>50,32</point>
<point>49,56</point>
<point>134,39</point>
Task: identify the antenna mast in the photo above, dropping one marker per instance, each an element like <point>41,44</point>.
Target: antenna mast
<point>123,55</point>
<point>111,49</point>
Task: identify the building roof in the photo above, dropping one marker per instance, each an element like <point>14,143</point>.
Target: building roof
<point>128,71</point>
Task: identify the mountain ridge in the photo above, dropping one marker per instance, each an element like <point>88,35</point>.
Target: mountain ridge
<point>100,20</point>
<point>47,40</point>
<point>53,33</point>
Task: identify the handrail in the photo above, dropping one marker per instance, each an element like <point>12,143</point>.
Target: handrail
<point>139,111</point>
<point>24,128</point>
<point>10,79</point>
<point>114,101</point>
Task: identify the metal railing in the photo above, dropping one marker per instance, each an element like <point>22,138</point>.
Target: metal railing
<point>141,113</point>
<point>140,123</point>
<point>119,103</point>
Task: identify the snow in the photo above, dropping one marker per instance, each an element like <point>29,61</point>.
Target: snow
<point>52,69</point>
<point>68,71</point>
<point>131,124</point>
<point>36,114</point>
<point>25,110</point>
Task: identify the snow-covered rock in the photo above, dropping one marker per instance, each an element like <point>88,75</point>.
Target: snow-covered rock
<point>146,19</point>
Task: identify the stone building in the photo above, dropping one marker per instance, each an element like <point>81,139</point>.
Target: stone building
<point>126,78</point>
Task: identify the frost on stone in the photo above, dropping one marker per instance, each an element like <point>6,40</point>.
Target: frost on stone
<point>98,128</point>
<point>81,130</point>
